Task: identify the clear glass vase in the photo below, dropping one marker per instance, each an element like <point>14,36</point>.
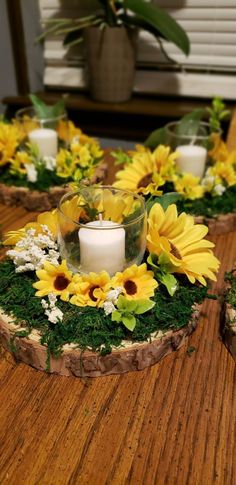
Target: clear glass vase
<point>47,133</point>
<point>192,146</point>
<point>101,228</point>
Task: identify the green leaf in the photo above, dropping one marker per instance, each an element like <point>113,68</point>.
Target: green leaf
<point>161,21</point>
<point>189,124</point>
<point>170,282</point>
<point>116,316</point>
<point>121,157</point>
<point>125,305</point>
<point>153,260</point>
<point>73,38</point>
<point>144,306</point>
<point>165,263</point>
<point>45,111</point>
<point>129,321</point>
<point>164,200</point>
<point>157,137</point>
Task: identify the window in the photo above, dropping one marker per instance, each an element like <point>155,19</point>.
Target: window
<point>209,70</point>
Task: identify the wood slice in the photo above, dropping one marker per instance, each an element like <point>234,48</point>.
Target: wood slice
<point>228,325</point>
<point>74,362</point>
<point>35,200</point>
<point>222,224</point>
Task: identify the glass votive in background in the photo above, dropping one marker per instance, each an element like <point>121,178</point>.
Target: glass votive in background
<point>42,132</point>
<point>191,146</point>
<point>101,228</point>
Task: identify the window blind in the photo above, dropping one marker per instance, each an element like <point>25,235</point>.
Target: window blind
<point>209,70</point>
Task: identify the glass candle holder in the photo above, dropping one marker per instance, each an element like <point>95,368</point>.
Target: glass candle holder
<point>191,146</point>
<point>46,133</point>
<point>101,228</point>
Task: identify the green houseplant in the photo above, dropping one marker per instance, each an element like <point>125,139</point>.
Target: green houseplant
<point>110,39</point>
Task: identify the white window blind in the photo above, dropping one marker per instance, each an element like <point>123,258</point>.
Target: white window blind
<point>209,70</point>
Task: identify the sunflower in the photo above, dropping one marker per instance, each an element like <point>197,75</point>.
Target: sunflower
<point>137,282</point>
<point>188,185</point>
<point>9,141</point>
<point>183,242</point>
<point>54,279</point>
<point>90,289</point>
<point>48,219</point>
<point>138,175</point>
<point>148,170</point>
<point>164,161</point>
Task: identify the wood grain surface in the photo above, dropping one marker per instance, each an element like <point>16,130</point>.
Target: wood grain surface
<point>173,423</point>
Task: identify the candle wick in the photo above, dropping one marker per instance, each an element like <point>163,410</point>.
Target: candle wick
<point>100,218</point>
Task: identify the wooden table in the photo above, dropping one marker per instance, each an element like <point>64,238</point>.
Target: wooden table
<point>173,423</point>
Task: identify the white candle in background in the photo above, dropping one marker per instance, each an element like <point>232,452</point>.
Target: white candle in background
<point>46,140</point>
<point>192,159</point>
<point>102,248</point>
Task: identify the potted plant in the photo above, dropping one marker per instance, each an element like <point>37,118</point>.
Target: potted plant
<point>110,40</point>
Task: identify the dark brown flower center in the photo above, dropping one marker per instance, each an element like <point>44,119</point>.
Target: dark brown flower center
<point>130,287</point>
<point>61,282</point>
<point>145,181</point>
<point>91,295</point>
<point>175,251</point>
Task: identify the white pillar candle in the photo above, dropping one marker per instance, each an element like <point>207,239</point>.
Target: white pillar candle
<point>192,159</point>
<point>46,140</point>
<point>102,248</point>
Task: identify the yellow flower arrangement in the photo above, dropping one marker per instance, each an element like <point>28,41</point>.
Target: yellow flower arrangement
<point>77,158</point>
<point>107,310</point>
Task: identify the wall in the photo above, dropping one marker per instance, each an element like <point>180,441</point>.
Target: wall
<point>8,86</point>
<point>7,72</point>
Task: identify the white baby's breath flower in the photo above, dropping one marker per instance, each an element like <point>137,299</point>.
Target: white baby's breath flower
<point>208,182</point>
<point>113,295</point>
<point>31,171</point>
<point>33,250</point>
<point>50,163</point>
<point>219,189</point>
<point>108,307</point>
<point>53,313</point>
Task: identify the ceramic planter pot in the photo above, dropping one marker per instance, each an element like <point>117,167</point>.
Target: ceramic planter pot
<point>111,62</point>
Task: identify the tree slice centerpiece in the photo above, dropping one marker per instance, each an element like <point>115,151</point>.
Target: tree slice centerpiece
<point>61,316</point>
<point>228,327</point>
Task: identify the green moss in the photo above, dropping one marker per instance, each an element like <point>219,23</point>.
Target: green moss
<point>89,327</point>
<point>46,179</point>
<point>208,206</point>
